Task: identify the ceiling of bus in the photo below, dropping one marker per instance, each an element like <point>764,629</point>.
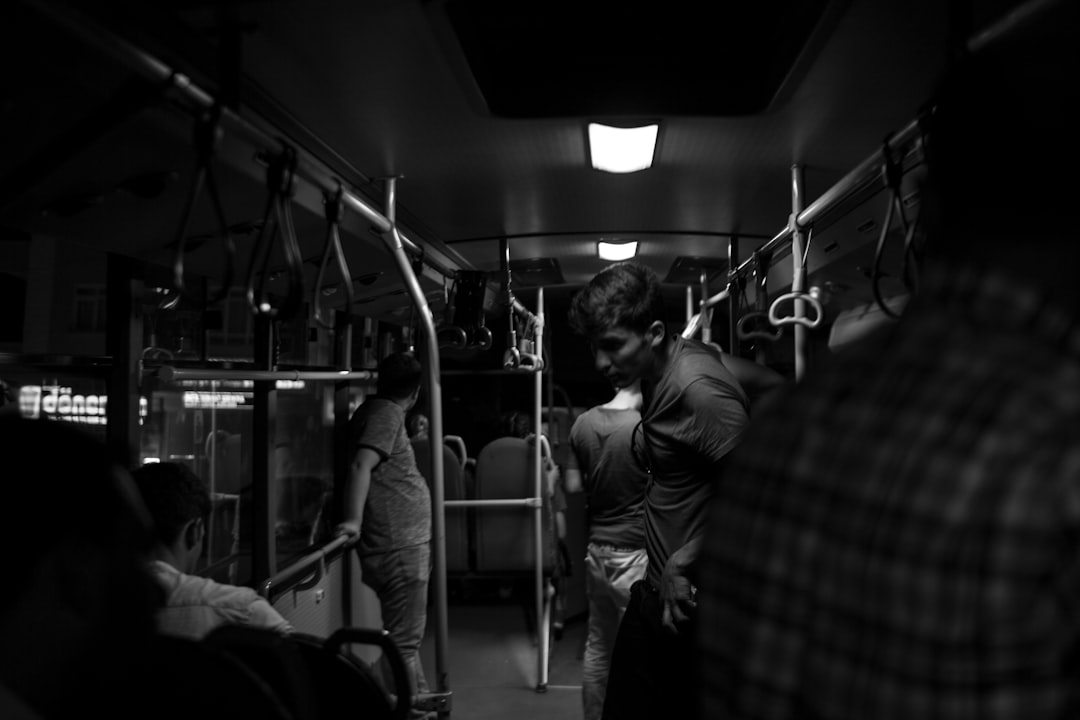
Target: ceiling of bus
<point>479,110</point>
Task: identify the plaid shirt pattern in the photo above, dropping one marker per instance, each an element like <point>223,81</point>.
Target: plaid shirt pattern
<point>900,538</point>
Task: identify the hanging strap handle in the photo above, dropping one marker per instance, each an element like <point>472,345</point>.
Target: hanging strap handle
<point>757,325</point>
<point>796,319</point>
<point>746,329</point>
<point>335,210</point>
<point>277,219</point>
<point>207,134</point>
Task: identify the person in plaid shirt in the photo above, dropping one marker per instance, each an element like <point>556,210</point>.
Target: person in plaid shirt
<point>899,537</point>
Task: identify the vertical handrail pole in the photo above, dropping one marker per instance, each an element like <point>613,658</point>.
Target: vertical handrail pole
<point>541,492</point>
<point>434,374</point>
<point>798,274</point>
<point>706,311</point>
<point>733,298</point>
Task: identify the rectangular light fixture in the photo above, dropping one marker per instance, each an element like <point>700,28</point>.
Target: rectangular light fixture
<point>615,251</point>
<point>622,149</point>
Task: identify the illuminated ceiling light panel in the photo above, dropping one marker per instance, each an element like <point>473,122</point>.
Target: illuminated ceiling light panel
<point>622,150</point>
<point>616,251</point>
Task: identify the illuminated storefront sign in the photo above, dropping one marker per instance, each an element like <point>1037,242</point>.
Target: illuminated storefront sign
<point>218,385</point>
<point>61,402</point>
<point>197,400</point>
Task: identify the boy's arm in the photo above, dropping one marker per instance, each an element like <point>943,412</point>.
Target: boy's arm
<point>356,490</point>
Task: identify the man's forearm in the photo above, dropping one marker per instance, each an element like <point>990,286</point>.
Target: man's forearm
<point>682,559</point>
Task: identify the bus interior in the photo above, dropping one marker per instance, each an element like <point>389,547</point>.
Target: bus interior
<point>217,216</point>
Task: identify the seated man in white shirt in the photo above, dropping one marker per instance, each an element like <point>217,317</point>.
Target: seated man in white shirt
<point>179,503</point>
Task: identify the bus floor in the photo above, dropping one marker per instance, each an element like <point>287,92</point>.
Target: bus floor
<point>491,664</point>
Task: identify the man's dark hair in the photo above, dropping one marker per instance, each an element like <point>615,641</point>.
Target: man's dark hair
<point>399,375</point>
<point>517,424</point>
<point>626,294</point>
<point>174,495</point>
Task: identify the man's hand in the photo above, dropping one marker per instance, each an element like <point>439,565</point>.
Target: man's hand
<point>679,598</point>
<point>678,595</point>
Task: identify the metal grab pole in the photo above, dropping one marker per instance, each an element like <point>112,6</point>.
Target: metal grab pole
<point>706,311</point>
<point>538,512</point>
<point>438,497</point>
<point>798,273</point>
<point>169,374</point>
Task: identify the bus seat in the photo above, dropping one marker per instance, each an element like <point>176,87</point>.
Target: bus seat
<point>315,677</point>
<point>271,656</point>
<point>342,680</point>
<point>458,520</point>
<point>215,684</point>
<point>505,536</point>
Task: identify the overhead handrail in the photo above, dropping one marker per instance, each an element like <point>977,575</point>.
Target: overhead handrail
<point>532,502</point>
<point>752,325</point>
<point>171,374</point>
<point>335,209</point>
<point>207,135</point>
<point>277,220</point>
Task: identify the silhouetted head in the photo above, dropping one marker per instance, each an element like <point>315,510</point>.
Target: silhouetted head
<point>76,540</point>
<point>179,505</point>
<point>400,375</point>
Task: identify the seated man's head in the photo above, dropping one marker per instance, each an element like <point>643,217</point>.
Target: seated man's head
<point>179,504</point>
<point>417,426</point>
<point>80,606</point>
<point>621,313</point>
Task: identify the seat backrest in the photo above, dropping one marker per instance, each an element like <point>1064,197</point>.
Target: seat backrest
<point>505,536</point>
<point>345,683</point>
<point>459,528</point>
<point>181,679</point>
<point>274,659</point>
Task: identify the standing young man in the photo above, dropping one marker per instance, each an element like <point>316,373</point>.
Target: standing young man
<point>694,412</point>
<point>601,465</point>
<point>388,504</point>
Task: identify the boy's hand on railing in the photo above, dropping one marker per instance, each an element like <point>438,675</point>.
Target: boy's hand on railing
<point>552,475</point>
<point>349,527</point>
